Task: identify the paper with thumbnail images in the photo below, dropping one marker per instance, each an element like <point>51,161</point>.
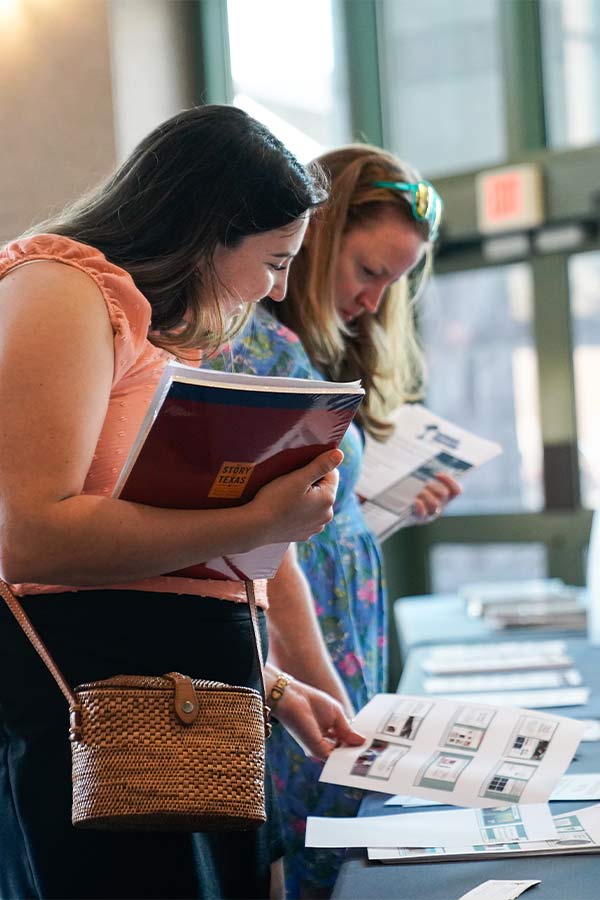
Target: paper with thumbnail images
<point>422,445</point>
<point>577,831</point>
<point>582,786</point>
<point>463,754</point>
<point>533,822</point>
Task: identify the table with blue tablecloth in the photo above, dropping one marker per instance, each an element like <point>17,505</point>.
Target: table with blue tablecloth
<point>567,876</point>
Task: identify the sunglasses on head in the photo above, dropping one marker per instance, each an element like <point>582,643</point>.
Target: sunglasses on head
<point>426,203</point>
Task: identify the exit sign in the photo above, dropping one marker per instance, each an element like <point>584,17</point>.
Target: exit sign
<point>509,199</point>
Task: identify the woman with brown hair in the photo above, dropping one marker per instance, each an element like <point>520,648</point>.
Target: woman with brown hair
<point>164,260</point>
<point>349,314</point>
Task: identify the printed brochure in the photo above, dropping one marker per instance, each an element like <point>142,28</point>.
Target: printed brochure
<point>467,826</point>
<point>577,832</point>
<point>463,754</point>
<point>500,656</point>
<point>394,472</point>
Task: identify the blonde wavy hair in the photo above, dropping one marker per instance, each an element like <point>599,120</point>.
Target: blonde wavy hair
<point>381,349</point>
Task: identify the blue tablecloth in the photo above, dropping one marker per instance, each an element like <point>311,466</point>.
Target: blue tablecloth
<point>572,877</point>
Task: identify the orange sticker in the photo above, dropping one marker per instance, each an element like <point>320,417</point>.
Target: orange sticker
<point>231,480</point>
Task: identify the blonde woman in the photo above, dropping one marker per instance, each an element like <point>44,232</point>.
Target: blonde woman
<point>349,313</point>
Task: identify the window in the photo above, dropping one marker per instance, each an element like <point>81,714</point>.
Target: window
<point>443,83</point>
<point>286,64</point>
<point>454,565</point>
<point>571,59</point>
<point>476,328</point>
<point>584,281</point>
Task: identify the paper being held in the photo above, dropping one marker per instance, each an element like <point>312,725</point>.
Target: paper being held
<point>584,786</point>
<point>462,754</point>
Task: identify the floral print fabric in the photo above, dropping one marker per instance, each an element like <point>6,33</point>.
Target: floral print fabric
<point>343,567</point>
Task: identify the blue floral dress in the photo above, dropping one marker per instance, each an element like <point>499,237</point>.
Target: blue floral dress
<point>343,567</point>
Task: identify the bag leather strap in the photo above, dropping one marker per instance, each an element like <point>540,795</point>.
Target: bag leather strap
<point>251,598</point>
<point>25,623</point>
<point>23,620</point>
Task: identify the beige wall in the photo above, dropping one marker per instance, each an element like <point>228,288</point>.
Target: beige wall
<point>80,82</point>
<point>56,119</point>
<point>152,47</point>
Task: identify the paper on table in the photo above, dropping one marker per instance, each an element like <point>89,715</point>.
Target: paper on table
<point>499,649</point>
<point>467,826</point>
<point>478,666</point>
<point>502,656</point>
<point>473,755</point>
<point>592,730</point>
<point>570,787</point>
<point>577,832</point>
<point>498,890</point>
<point>578,787</point>
<point>505,681</point>
<point>541,699</point>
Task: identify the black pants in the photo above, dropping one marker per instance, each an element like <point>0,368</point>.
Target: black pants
<point>93,635</point>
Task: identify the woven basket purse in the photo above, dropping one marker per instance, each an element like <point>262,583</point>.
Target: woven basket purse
<point>164,753</point>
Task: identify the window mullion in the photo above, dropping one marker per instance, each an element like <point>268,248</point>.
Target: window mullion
<point>523,76</point>
<point>214,79</point>
<point>362,49</point>
<point>553,339</point>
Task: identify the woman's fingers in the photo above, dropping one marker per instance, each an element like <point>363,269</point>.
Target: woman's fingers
<point>436,494</point>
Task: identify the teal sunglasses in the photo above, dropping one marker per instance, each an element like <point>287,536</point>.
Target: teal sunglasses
<point>426,203</point>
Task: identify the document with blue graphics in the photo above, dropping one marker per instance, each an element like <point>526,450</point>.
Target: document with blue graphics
<point>576,832</point>
<point>465,826</point>
<point>422,446</point>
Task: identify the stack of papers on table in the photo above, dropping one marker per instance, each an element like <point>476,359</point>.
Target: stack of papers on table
<point>467,826</point>
<point>542,699</point>
<point>502,656</point>
<point>503,681</point>
<point>536,674</point>
<point>481,596</point>
<point>544,602</point>
<point>577,832</point>
<point>569,614</point>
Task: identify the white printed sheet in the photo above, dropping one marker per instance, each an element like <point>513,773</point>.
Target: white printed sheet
<point>422,445</point>
<point>467,826</point>
<point>576,832</point>
<point>542,698</point>
<point>499,890</point>
<point>502,681</point>
<point>584,786</point>
<point>501,656</point>
<point>470,755</point>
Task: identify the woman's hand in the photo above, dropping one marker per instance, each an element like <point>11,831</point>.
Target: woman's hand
<point>296,642</point>
<point>296,506</point>
<point>435,496</point>
<point>315,720</point>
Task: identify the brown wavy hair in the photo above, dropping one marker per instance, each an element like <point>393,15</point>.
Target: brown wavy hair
<point>209,175</point>
<point>381,349</point>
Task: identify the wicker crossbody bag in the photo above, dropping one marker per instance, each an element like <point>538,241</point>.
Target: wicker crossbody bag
<point>164,753</point>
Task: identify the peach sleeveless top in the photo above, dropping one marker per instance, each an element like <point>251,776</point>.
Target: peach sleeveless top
<point>138,367</point>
